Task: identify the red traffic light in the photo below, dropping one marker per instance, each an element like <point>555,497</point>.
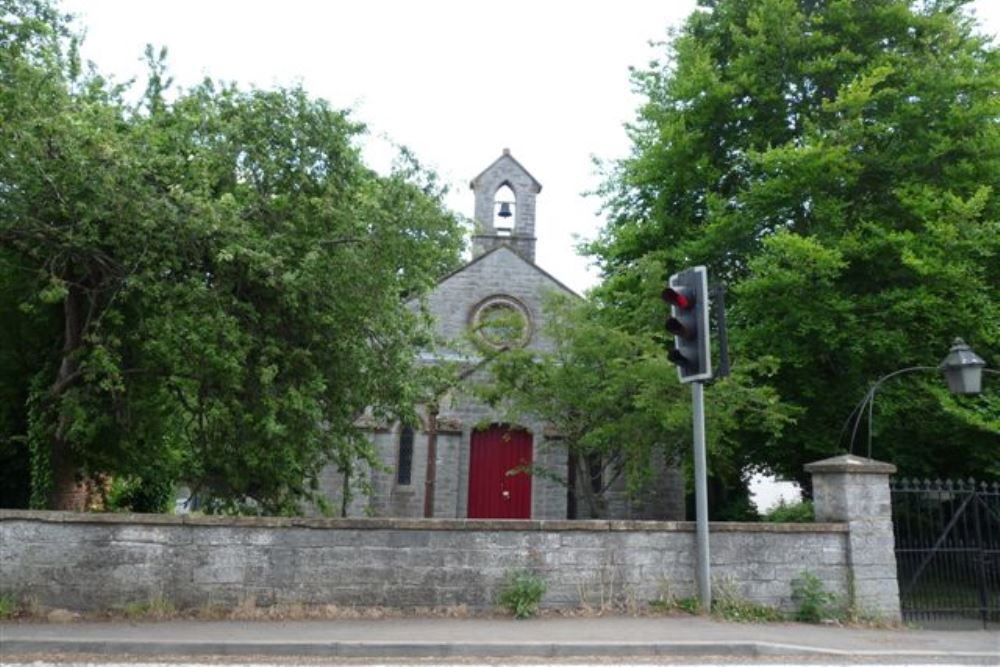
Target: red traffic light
<point>687,293</point>
<point>677,298</point>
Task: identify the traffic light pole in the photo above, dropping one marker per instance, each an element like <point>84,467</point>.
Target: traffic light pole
<point>687,294</point>
<point>701,495</point>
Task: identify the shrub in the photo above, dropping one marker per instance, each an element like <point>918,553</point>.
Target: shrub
<point>130,493</point>
<point>521,593</point>
<point>813,602</point>
<point>800,512</point>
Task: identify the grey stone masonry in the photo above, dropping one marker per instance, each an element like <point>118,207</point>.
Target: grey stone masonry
<point>504,273</point>
<point>105,561</point>
<point>855,490</point>
<point>505,171</point>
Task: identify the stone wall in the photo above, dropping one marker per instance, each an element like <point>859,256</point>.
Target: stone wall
<point>99,561</point>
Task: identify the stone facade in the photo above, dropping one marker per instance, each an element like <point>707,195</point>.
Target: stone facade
<point>502,272</point>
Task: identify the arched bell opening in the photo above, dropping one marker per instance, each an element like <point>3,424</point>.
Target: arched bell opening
<point>504,210</point>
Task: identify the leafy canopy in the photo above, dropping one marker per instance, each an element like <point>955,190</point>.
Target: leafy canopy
<point>616,404</point>
<point>207,285</point>
<point>837,163</point>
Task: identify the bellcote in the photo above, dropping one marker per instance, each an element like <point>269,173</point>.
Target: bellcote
<point>505,208</point>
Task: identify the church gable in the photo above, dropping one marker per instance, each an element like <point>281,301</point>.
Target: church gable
<point>465,459</point>
<point>500,276</point>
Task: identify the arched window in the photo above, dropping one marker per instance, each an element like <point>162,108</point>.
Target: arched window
<point>504,205</point>
<point>404,467</point>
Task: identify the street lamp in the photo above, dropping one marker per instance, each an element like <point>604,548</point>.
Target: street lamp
<point>962,368</point>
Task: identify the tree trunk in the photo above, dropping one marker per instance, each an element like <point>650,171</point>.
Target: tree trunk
<point>431,475</point>
<point>595,500</point>
<point>68,490</point>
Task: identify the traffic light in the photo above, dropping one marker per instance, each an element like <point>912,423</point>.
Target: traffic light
<point>687,294</point>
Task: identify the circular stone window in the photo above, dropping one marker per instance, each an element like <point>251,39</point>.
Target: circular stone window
<point>502,321</point>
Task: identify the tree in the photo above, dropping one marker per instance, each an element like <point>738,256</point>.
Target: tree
<point>216,279</point>
<point>837,164</point>
<point>616,403</point>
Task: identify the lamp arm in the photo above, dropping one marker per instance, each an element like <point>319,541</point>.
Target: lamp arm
<point>870,396</point>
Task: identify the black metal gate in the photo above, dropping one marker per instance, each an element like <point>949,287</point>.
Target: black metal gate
<point>948,551</point>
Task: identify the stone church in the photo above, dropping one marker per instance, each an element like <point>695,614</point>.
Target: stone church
<point>458,463</point>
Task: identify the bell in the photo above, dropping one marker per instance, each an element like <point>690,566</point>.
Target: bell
<point>504,210</point>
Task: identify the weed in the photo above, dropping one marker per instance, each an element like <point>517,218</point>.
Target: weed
<point>688,604</point>
<point>8,607</point>
<point>157,608</point>
<point>813,603</point>
<point>600,595</point>
<point>521,593</point>
<point>211,611</point>
<point>728,604</point>
<point>666,601</point>
<point>31,607</point>
<point>630,600</point>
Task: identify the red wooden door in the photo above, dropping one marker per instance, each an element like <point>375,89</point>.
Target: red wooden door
<point>493,493</point>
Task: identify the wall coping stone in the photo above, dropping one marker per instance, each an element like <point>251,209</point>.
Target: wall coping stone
<point>47,516</point>
<point>849,463</point>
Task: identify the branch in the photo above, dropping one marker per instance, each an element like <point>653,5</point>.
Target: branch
<point>61,385</point>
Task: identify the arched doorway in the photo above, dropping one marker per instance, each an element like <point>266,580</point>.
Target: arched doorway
<point>499,481</point>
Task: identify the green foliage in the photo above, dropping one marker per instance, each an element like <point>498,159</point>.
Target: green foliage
<point>836,164</point>
<point>521,593</point>
<point>813,603</point>
<point>157,608</point>
<point>615,400</point>
<point>689,604</point>
<point>797,512</point>
<point>666,601</point>
<point>729,605</point>
<point>8,607</point>
<point>139,494</point>
<point>206,288</point>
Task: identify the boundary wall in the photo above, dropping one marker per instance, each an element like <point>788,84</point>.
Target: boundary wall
<point>90,562</point>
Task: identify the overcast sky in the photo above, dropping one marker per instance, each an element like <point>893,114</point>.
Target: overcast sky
<point>455,80</point>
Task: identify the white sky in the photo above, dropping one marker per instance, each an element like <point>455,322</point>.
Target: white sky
<point>454,80</point>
